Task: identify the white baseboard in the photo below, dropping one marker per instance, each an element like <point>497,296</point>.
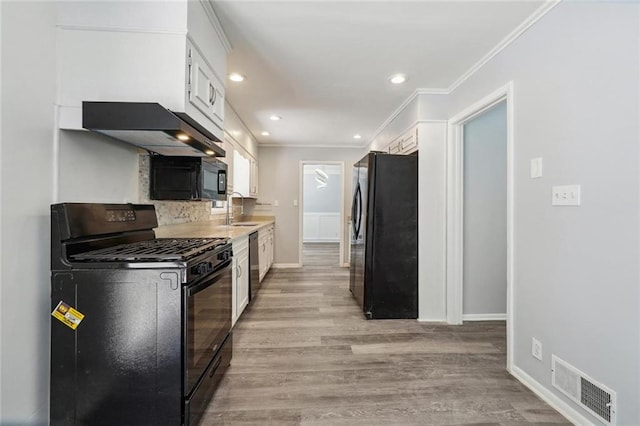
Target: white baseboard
<point>484,317</point>
<point>433,320</point>
<point>550,398</point>
<point>285,265</point>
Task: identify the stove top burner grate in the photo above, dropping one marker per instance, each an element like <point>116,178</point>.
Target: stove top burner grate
<point>159,249</point>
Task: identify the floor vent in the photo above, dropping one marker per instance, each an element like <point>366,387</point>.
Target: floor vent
<point>591,395</point>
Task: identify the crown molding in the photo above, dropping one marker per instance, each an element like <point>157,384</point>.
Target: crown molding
<point>116,29</point>
<point>392,117</point>
<point>211,14</point>
<point>283,145</point>
<point>517,32</point>
<point>402,107</point>
<point>433,91</point>
<point>513,36</point>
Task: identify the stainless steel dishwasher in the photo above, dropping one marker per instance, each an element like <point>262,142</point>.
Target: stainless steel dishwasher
<point>254,266</point>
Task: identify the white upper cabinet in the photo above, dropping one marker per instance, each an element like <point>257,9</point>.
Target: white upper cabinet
<point>229,159</point>
<point>245,161</point>
<point>405,143</point>
<point>253,178</point>
<point>205,92</point>
<point>172,53</point>
<point>241,172</point>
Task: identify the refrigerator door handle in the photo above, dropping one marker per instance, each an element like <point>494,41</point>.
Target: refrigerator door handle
<point>359,212</point>
<point>354,211</point>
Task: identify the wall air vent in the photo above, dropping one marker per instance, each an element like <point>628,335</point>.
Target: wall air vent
<point>583,390</point>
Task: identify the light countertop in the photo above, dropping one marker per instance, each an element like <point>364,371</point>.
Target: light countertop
<point>210,229</point>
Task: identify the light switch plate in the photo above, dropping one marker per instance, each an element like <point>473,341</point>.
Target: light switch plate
<point>536,348</point>
<point>565,195</point>
<point>536,167</point>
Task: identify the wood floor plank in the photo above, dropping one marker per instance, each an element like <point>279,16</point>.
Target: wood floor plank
<point>305,355</point>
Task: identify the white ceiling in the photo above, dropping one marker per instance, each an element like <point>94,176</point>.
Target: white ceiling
<point>324,65</point>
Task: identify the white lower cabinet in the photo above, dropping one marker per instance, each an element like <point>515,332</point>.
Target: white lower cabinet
<point>240,296</point>
<point>265,249</point>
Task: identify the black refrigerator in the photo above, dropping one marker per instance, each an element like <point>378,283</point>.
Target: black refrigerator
<point>384,236</point>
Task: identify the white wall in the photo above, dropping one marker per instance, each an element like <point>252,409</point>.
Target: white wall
<point>576,281</point>
<point>28,95</point>
<point>95,168</point>
<point>89,168</point>
<point>485,214</point>
<point>280,180</point>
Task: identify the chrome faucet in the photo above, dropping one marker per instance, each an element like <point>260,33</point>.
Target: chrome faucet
<point>229,202</point>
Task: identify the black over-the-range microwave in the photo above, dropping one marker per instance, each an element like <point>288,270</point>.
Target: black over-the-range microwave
<point>187,178</point>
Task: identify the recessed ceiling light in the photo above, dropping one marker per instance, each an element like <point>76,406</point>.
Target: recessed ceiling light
<point>357,136</point>
<point>182,137</point>
<point>398,78</point>
<point>209,152</point>
<point>234,76</point>
<point>275,118</point>
<point>265,133</point>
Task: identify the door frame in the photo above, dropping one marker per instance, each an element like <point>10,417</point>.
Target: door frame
<point>455,207</point>
<point>301,207</point>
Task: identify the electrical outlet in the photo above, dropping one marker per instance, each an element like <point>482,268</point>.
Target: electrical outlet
<point>536,349</point>
<point>565,195</point>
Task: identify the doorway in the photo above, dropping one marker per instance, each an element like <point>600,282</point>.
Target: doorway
<point>455,239</point>
<point>321,213</point>
<point>484,277</point>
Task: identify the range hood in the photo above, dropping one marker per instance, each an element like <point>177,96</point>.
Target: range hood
<point>152,127</point>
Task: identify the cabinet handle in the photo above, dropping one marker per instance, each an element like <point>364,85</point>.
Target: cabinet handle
<point>401,147</point>
<point>212,94</point>
<point>239,271</point>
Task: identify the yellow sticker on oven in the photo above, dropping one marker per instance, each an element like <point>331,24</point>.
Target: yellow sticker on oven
<point>69,316</point>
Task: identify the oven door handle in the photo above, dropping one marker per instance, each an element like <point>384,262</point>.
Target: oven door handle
<point>209,279</point>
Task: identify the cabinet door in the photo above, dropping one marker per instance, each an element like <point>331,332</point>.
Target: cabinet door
<point>271,246</point>
<point>262,253</point>
<point>205,92</point>
<point>242,283</point>
<point>234,292</point>
<point>395,146</point>
<point>254,178</point>
<point>241,173</point>
<point>409,141</point>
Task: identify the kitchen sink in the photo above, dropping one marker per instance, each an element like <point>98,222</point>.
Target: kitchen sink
<point>245,224</point>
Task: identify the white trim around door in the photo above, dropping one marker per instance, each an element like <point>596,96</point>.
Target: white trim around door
<point>455,208</point>
<point>301,206</point>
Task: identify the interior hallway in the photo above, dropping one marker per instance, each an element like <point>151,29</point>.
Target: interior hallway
<point>320,254</point>
<point>304,354</point>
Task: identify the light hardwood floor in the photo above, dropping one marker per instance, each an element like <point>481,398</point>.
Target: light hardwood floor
<point>320,254</point>
<point>305,355</point>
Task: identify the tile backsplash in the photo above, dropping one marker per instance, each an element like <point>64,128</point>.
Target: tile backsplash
<point>170,212</point>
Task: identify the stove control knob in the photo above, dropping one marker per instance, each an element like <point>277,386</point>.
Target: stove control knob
<point>202,268</point>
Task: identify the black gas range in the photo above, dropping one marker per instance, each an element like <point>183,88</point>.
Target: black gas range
<point>140,333</point>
